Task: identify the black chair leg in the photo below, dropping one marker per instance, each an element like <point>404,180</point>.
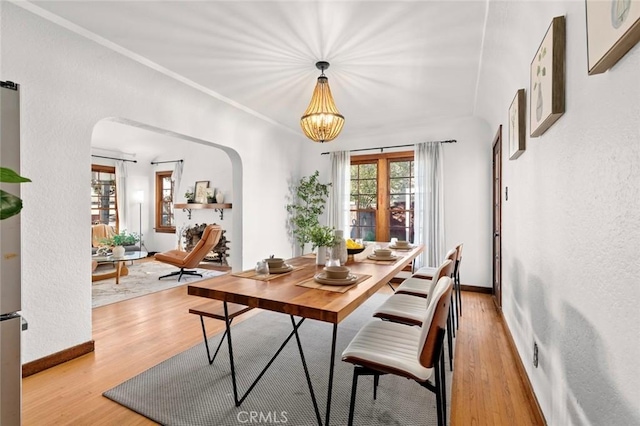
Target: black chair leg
<point>450,341</point>
<point>352,404</point>
<point>457,281</point>
<point>376,380</point>
<point>453,317</point>
<point>443,389</point>
<point>438,391</point>
<point>455,295</point>
<point>180,273</point>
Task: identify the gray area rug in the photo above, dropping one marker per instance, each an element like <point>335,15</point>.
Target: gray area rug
<point>186,390</point>
<point>142,279</point>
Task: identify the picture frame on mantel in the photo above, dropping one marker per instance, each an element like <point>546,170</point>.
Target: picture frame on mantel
<point>517,130</point>
<point>613,28</point>
<point>547,80</point>
<point>200,192</point>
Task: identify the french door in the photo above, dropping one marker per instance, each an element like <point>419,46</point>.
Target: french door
<point>382,196</point>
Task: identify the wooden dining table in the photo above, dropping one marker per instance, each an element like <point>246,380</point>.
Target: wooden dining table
<point>284,294</point>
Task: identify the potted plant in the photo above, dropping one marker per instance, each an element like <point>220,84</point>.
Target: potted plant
<point>310,199</point>
<point>118,241</point>
<point>321,237</point>
<point>211,199</point>
<point>10,205</point>
<point>189,195</point>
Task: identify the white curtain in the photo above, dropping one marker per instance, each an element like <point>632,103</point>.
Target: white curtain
<point>176,177</point>
<point>339,195</point>
<point>429,203</point>
<point>121,194</point>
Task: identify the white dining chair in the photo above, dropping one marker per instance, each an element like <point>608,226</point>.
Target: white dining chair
<point>413,285</point>
<point>384,347</point>
<point>409,308</point>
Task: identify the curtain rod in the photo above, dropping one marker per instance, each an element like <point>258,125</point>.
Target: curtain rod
<point>394,146</point>
<point>171,161</point>
<point>114,158</point>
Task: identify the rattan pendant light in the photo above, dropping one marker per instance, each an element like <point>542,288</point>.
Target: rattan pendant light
<point>322,122</point>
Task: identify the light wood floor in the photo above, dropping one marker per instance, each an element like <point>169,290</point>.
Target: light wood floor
<point>134,335</point>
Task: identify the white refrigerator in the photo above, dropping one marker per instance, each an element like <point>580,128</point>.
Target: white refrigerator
<point>10,259</point>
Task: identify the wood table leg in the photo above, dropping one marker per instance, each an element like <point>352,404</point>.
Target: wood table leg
<point>118,269</point>
<point>124,271</point>
<point>121,271</point>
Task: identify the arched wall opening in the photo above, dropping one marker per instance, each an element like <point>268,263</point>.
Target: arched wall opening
<point>132,140</point>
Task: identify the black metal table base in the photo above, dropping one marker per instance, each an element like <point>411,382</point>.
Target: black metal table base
<point>294,332</point>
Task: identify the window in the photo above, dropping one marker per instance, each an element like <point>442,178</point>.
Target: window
<point>103,196</point>
<point>382,196</point>
<point>164,203</point>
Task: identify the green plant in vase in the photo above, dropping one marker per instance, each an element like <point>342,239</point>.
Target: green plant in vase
<point>118,241</point>
<point>322,236</point>
<point>124,238</point>
<point>189,195</point>
<point>10,205</point>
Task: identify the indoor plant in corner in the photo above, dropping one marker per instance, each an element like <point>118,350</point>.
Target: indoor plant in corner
<point>321,237</point>
<point>118,241</point>
<point>309,201</point>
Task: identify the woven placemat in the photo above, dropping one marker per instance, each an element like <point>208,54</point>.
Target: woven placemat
<point>251,273</point>
<point>311,283</point>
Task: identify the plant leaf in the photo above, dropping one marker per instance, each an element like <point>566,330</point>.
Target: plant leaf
<point>9,176</point>
<point>10,205</point>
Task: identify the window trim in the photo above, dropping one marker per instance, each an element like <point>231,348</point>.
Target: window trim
<point>160,175</point>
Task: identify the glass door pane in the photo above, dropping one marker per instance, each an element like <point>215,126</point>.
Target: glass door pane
<point>401,199</point>
<point>364,200</point>
<point>103,196</point>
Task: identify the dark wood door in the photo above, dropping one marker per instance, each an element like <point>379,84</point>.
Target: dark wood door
<point>497,217</point>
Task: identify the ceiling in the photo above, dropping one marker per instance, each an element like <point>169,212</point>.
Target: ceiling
<point>394,65</point>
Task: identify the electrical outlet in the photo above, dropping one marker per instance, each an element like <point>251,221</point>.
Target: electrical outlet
<point>535,354</point>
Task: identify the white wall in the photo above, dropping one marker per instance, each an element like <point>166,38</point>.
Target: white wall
<point>571,225</point>
<point>467,181</point>
<point>68,85</point>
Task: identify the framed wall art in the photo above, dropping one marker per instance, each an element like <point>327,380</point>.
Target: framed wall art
<point>546,90</point>
<point>201,191</point>
<point>517,131</point>
<point>613,28</point>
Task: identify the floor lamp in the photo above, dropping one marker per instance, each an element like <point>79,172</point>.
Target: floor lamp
<point>139,198</point>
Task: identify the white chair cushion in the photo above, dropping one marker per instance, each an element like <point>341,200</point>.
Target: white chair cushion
<point>425,271</point>
<point>403,306</point>
<point>415,285</point>
<point>388,344</point>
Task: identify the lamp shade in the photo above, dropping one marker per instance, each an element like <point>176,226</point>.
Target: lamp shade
<point>321,121</point>
<point>138,196</point>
